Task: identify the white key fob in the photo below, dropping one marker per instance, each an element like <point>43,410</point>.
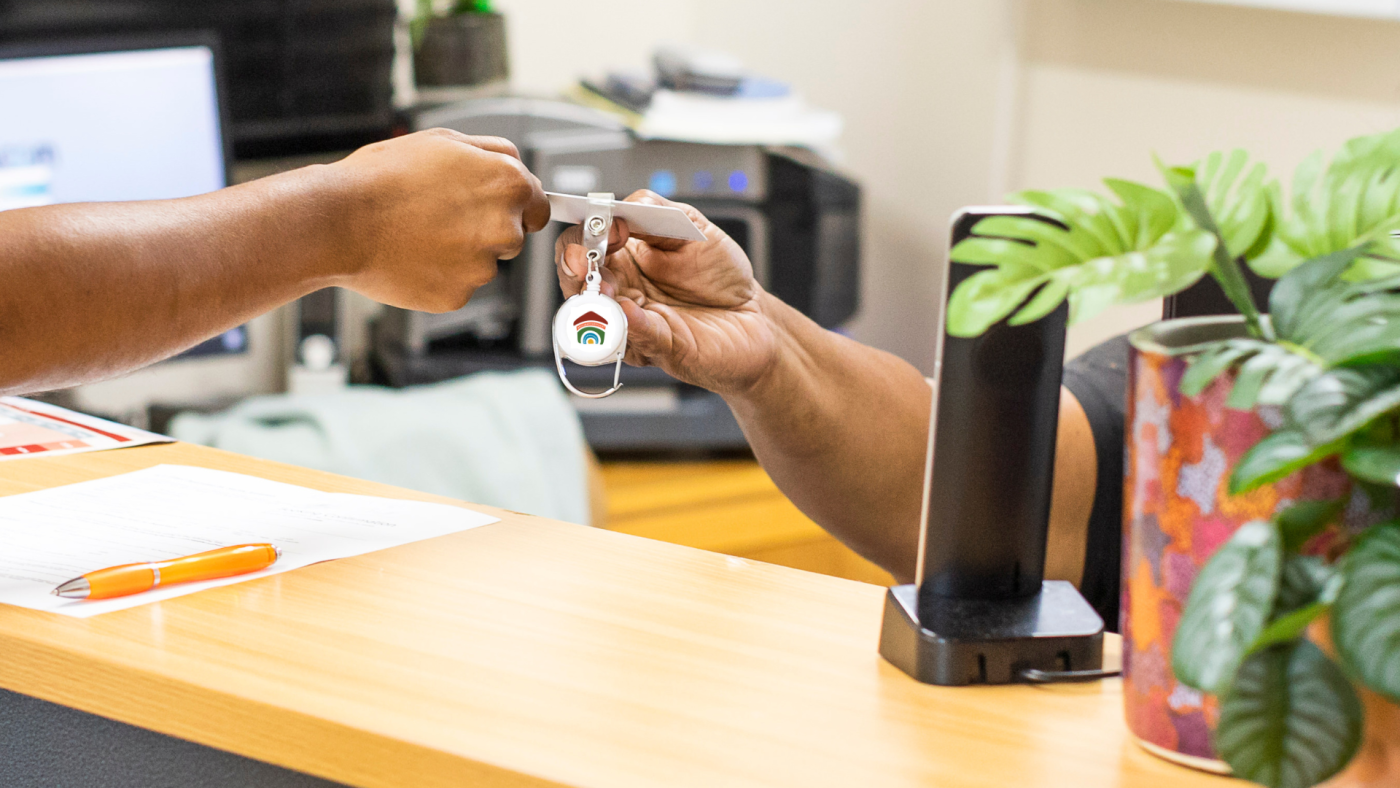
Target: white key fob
<point>590,329</point>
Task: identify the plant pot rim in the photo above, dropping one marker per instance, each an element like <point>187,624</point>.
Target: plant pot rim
<point>1185,335</point>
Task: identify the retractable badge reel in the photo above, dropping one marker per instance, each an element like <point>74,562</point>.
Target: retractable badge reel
<point>590,329</point>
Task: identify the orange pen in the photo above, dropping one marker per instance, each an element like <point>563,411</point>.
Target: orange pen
<point>134,578</point>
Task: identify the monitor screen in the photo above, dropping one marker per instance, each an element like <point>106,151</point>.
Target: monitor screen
<point>104,126</point>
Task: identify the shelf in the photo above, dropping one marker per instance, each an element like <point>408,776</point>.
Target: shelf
<point>1374,9</point>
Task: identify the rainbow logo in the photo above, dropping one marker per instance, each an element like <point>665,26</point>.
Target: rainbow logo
<point>590,326</point>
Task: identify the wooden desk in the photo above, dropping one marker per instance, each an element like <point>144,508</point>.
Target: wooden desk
<point>727,506</point>
<point>531,653</point>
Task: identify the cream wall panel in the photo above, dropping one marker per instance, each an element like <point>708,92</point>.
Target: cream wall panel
<point>554,42</point>
<point>917,83</point>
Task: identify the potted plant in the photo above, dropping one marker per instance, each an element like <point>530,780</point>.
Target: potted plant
<point>1263,453</point>
<point>464,47</point>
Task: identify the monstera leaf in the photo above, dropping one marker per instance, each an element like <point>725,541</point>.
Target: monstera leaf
<point>1225,267</point>
<point>1353,200</point>
<point>1097,252</point>
<point>1094,250</point>
<point>1240,200</point>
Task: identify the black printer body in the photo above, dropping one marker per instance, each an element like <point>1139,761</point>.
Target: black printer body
<point>796,218</point>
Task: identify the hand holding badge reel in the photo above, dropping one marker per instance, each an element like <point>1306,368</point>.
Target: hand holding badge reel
<point>590,329</point>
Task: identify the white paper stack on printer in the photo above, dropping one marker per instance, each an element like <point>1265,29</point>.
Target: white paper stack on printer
<point>710,97</point>
<point>696,117</point>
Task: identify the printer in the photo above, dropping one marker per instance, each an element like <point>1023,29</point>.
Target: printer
<point>796,218</point>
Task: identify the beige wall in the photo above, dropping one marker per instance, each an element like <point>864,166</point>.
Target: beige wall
<point>917,84</point>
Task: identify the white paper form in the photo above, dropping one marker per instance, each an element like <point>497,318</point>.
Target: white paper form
<point>171,511</point>
<point>36,429</point>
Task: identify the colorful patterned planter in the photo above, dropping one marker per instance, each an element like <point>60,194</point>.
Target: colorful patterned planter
<point>1177,511</point>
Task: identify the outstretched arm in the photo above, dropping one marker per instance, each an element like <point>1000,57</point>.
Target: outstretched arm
<point>92,290</point>
<point>842,428</point>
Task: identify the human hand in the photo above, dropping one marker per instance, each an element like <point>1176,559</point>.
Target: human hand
<point>693,308</point>
<point>428,215</point>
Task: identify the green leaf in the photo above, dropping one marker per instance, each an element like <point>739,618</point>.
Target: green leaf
<point>1364,329</point>
<point>1101,253</point>
<point>1339,402</point>
<point>1291,719</point>
<point>1153,212</point>
<point>1224,267</point>
<point>1172,265</point>
<point>1275,259</point>
<point>1379,464</point>
<point>1305,580</point>
<point>1274,457</point>
<point>1290,373</point>
<point>1337,206</point>
<point>1045,301</point>
<point>1024,258</point>
<point>1301,293</point>
<point>1366,618</point>
<point>1304,520</point>
<point>985,298</point>
<point>1288,627</point>
<point>1084,213</point>
<point>1307,588</point>
<point>1210,364</point>
<point>1251,380</point>
<point>1240,204</point>
<point>1228,607</point>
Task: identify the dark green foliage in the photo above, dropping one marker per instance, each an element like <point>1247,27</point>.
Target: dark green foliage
<point>1290,719</point>
<point>1228,607</point>
<point>1366,618</point>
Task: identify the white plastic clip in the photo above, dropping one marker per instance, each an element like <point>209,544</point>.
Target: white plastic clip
<point>590,329</point>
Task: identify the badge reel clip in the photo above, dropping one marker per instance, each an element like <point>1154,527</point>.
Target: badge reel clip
<point>590,329</point>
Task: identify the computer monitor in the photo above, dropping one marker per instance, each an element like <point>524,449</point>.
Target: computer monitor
<point>133,117</point>
<point>96,121</point>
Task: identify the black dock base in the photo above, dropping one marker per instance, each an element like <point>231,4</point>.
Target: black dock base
<point>976,641</point>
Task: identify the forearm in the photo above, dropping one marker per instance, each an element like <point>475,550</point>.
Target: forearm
<point>842,428</point>
<point>94,290</point>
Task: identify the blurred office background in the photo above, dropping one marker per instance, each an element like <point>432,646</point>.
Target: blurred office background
<point>947,103</point>
<point>942,104</point>
<point>952,103</point>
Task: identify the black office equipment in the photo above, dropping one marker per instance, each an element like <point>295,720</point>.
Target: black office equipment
<point>980,612</point>
<point>302,76</point>
<point>796,218</point>
<point>1206,298</point>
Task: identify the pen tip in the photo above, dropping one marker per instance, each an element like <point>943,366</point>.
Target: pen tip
<point>277,550</point>
<point>77,588</point>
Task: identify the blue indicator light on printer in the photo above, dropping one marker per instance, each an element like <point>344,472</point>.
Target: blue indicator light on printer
<point>663,182</point>
<point>703,181</point>
<point>738,181</point>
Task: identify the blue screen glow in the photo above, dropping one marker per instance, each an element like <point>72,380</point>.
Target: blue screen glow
<point>738,181</point>
<point>663,182</point>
